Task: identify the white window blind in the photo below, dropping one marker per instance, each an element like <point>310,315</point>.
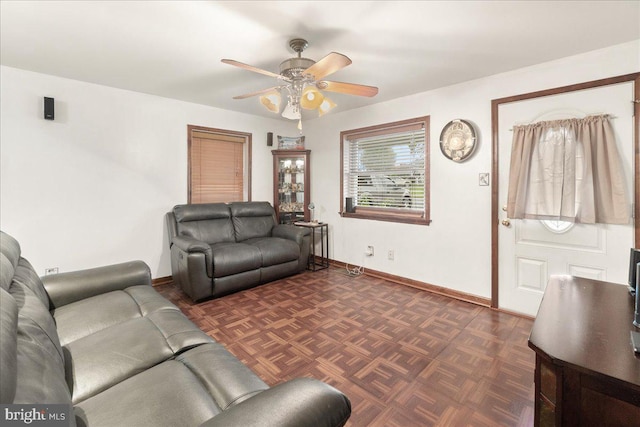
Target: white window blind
<point>385,168</point>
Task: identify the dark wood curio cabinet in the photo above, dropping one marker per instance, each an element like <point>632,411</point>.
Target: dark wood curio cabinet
<point>291,185</point>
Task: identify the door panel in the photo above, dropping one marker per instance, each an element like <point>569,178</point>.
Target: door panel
<point>530,251</point>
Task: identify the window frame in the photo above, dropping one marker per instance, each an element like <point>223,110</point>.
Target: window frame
<point>389,214</point>
<point>246,152</point>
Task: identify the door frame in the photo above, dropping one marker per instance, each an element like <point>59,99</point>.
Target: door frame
<point>495,141</point>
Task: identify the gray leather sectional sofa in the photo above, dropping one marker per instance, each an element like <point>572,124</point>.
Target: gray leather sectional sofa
<point>107,345</point>
<point>219,248</point>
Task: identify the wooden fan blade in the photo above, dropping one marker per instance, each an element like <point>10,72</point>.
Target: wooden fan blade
<point>328,65</point>
<point>348,88</point>
<point>251,68</point>
<point>260,92</point>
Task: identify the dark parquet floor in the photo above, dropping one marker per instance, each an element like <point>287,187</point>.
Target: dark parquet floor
<point>404,357</point>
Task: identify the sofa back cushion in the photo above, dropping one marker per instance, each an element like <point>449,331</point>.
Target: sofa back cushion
<point>208,222</point>
<point>9,257</point>
<point>9,347</point>
<point>39,360</point>
<point>252,219</point>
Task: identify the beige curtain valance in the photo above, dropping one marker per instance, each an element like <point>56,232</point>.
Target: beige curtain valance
<point>568,170</point>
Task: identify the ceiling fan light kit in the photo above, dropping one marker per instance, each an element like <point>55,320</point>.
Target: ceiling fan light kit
<point>302,83</point>
<point>271,101</point>
<point>326,105</point>
<point>311,98</point>
<point>291,112</point>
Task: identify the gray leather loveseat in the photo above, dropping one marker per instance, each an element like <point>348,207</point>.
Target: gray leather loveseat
<point>219,248</point>
<point>105,345</point>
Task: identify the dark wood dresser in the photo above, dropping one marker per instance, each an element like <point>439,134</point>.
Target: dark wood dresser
<point>586,371</point>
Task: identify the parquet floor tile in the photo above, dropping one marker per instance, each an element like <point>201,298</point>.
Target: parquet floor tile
<point>426,406</point>
<point>497,402</point>
<point>404,357</point>
<point>344,360</point>
<point>448,379</point>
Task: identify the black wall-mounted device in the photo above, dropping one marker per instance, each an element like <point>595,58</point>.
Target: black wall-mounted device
<point>634,259</point>
<point>636,313</point>
<point>349,205</point>
<point>49,113</point>
<point>269,139</point>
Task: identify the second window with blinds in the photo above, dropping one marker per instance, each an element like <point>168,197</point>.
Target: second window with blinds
<point>385,172</point>
<point>218,165</point>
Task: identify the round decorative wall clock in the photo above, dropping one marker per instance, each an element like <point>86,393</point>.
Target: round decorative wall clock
<point>458,140</point>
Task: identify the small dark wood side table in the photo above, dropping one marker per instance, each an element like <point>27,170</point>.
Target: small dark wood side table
<point>586,371</point>
<point>317,262</point>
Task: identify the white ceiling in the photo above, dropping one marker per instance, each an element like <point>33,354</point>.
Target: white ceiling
<point>173,48</point>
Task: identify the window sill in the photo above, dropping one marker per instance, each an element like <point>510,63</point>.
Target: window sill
<point>401,217</point>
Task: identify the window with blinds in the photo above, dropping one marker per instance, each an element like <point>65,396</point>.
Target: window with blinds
<point>217,165</point>
<point>385,171</point>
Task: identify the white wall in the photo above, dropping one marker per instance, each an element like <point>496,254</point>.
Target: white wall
<point>455,250</point>
<point>92,187</point>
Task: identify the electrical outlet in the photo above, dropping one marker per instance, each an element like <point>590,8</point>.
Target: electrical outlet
<point>391,254</point>
<point>369,251</point>
<point>52,270</point>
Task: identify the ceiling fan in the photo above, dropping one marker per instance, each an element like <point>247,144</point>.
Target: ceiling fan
<point>302,82</point>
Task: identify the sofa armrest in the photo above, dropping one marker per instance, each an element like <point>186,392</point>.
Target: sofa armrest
<point>191,244</point>
<point>291,232</point>
<point>297,403</point>
<point>172,226</point>
<point>65,288</point>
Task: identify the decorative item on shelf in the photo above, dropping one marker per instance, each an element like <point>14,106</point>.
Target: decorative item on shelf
<point>290,142</point>
<point>285,188</point>
<point>458,140</point>
<point>311,208</point>
<point>291,207</point>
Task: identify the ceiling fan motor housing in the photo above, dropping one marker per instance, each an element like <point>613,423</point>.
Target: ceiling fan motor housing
<point>293,67</point>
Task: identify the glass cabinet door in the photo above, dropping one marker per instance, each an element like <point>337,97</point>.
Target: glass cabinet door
<point>291,185</point>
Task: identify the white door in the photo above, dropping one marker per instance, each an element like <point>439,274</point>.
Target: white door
<point>530,250</point>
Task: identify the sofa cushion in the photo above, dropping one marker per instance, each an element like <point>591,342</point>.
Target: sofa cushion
<point>168,394</point>
<point>232,258</point>
<point>41,378</point>
<point>100,360</point>
<point>207,222</point>
<point>101,337</point>
<point>226,379</point>
<point>40,361</point>
<point>252,219</point>
<point>9,257</point>
<point>91,315</point>
<point>26,275</point>
<point>86,317</point>
<point>33,313</point>
<point>8,347</point>
<point>200,383</point>
<point>275,250</point>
